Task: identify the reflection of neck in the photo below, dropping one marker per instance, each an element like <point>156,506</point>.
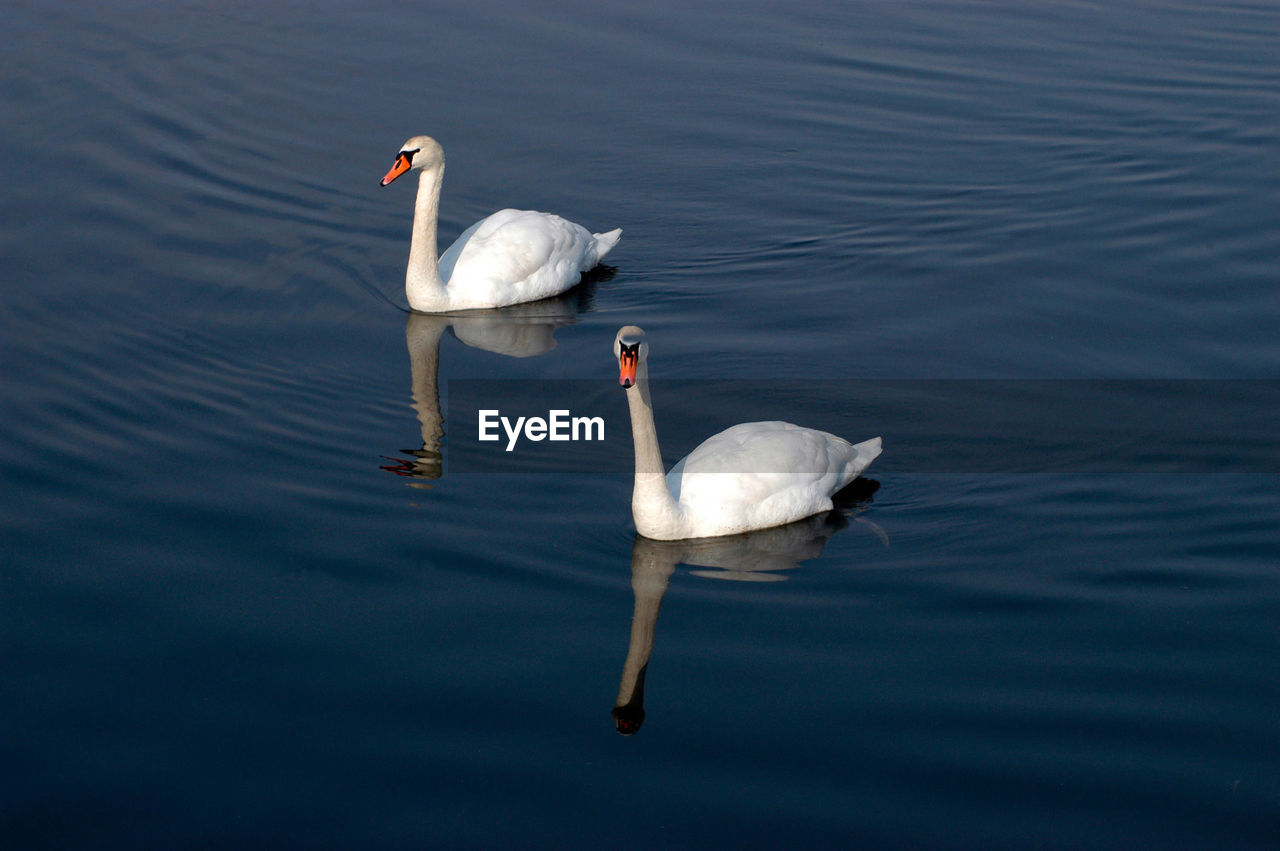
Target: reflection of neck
<point>650,571</point>
<point>422,336</point>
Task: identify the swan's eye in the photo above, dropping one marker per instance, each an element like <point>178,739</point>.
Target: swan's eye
<point>408,155</point>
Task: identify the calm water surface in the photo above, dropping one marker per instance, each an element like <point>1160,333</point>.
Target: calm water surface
<point>245,600</point>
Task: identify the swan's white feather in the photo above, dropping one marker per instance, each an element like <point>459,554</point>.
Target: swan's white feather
<point>757,475</point>
<point>515,256</point>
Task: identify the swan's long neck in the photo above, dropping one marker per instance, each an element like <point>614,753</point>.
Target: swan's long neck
<point>422,283</point>
<point>652,506</point>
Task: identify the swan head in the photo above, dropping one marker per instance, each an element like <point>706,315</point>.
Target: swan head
<point>418,152</point>
<point>631,350</point>
<point>627,719</point>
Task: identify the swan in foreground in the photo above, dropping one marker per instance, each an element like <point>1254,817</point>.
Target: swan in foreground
<point>512,256</point>
<point>749,476</point>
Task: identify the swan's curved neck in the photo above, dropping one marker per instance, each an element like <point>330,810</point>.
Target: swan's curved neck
<point>422,283</point>
<point>652,506</point>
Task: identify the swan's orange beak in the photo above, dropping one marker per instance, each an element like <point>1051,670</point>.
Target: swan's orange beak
<point>627,367</point>
<point>400,166</point>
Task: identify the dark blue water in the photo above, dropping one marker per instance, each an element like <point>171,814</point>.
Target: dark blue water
<point>246,601</point>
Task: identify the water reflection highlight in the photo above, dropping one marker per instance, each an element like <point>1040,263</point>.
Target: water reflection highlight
<point>758,556</point>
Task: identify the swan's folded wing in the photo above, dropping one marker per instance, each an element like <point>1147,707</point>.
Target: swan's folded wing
<point>757,474</point>
<point>536,254</point>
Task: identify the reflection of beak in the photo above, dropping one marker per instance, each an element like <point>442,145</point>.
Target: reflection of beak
<point>627,369</point>
<point>400,166</point>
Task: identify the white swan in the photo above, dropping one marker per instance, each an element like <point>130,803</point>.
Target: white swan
<point>750,476</point>
<point>512,256</point>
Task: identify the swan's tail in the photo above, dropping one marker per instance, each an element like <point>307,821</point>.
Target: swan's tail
<point>866,452</point>
<point>605,243</point>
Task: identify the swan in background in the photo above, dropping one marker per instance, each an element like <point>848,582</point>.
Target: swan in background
<point>513,256</point>
<point>754,557</point>
<point>749,476</point>
<point>522,331</point>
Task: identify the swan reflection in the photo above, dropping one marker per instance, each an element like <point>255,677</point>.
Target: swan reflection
<point>520,331</point>
<point>759,556</point>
